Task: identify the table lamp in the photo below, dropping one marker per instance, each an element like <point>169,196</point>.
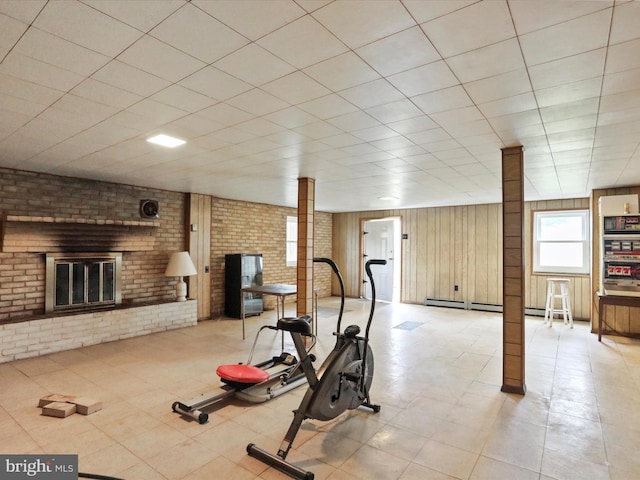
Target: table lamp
<point>180,265</point>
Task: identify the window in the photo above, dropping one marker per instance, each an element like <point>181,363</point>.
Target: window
<point>80,281</point>
<point>292,241</point>
<point>561,242</point>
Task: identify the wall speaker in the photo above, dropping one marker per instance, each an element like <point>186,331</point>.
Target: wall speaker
<point>149,209</point>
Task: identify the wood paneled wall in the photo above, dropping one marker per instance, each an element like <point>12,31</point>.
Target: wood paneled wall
<point>448,246</point>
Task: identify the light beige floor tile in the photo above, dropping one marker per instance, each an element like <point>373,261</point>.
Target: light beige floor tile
<point>565,467</point>
<point>369,462</point>
<point>490,469</point>
<point>447,459</point>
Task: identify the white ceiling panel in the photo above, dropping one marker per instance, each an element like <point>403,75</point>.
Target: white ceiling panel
<point>407,98</point>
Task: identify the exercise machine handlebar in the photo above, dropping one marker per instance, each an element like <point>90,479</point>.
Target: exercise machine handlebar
<point>335,269</point>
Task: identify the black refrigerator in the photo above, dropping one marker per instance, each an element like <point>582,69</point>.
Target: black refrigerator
<point>242,270</point>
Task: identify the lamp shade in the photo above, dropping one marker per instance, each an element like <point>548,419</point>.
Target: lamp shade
<point>180,265</point>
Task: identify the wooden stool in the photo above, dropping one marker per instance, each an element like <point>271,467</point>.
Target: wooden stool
<point>552,295</point>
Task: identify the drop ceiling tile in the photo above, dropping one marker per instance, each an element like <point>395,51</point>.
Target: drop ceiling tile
<point>160,59</point>
<point>160,112</point>
<point>259,127</point>
<point>459,115</point>
<point>568,70</point>
<point>106,94</point>
<point>394,143</point>
<point>568,110</point>
<point>623,56</point>
<point>427,78</point>
<point>328,106</point>
<point>296,88</point>
<point>372,93</point>
<point>318,130</point>
<point>620,82</point>
<point>412,125</point>
<point>183,98</point>
<point>32,92</point>
<point>442,100</point>
<point>468,129</point>
<point>424,11</point>
<point>354,121</point>
<point>39,72</point>
<point>399,52</point>
<point>257,102</point>
<point>504,85</point>
<point>302,43</point>
<point>215,83</point>
<point>94,112</point>
<point>571,124</point>
<point>342,72</point>
<point>487,61</point>
<point>483,23</point>
<point>573,37</point>
<point>254,65</point>
<point>83,25</point>
<point>252,18</point>
<point>287,138</point>
<point>506,106</point>
<point>359,22</point>
<point>620,101</point>
<point>394,111</point>
<point>624,26</point>
<point>10,32</point>
<point>291,117</point>
<point>619,116</point>
<point>61,53</point>
<point>372,134</point>
<point>570,92</point>
<point>196,33</point>
<point>193,126</point>
<point>130,79</point>
<point>23,11</point>
<point>516,120</point>
<point>429,136</point>
<point>18,110</point>
<point>531,16</point>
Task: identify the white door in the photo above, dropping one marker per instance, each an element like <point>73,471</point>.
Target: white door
<point>380,238</point>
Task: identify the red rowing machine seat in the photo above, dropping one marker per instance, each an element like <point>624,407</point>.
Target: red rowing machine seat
<point>241,373</point>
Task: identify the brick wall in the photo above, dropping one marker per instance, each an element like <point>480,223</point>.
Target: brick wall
<point>22,274</point>
<point>243,227</point>
<point>55,334</point>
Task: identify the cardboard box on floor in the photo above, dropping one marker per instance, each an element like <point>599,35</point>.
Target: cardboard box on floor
<point>82,405</point>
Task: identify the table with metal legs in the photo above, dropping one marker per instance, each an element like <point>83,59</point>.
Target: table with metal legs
<point>279,290</point>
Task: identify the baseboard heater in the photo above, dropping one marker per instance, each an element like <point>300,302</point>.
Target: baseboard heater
<point>487,307</point>
<point>434,302</point>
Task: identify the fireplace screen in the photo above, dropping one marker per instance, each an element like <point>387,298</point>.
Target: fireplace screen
<point>82,281</point>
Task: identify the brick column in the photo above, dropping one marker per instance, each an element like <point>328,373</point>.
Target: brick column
<point>306,207</point>
<point>513,357</point>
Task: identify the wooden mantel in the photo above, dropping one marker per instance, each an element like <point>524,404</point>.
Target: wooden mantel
<point>39,234</point>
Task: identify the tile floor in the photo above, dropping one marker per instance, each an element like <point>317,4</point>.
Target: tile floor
<point>437,378</point>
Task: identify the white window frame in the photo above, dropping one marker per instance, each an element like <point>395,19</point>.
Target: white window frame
<point>585,241</point>
<point>292,241</point>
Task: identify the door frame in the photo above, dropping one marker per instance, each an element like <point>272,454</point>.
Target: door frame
<point>397,256</point>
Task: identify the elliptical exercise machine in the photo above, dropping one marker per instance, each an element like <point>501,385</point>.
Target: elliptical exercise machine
<point>342,382</point>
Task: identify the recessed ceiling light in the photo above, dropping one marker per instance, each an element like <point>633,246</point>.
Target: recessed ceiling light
<point>387,198</point>
<point>166,141</point>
